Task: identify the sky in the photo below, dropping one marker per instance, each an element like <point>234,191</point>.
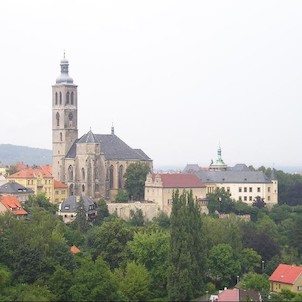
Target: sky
<point>175,78</point>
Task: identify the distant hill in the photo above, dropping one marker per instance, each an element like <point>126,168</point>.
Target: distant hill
<point>12,154</point>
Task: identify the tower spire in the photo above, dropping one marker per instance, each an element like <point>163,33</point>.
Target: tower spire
<point>64,76</point>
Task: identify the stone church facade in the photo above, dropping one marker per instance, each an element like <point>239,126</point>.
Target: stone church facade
<point>94,164</point>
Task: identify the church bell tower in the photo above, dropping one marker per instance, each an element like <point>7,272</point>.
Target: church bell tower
<point>64,119</point>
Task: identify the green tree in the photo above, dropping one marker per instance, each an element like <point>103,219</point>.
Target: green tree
<point>110,242</point>
<point>250,260</point>
<point>187,249</point>
<point>41,201</point>
<point>221,201</point>
<point>80,223</point>
<point>223,265</point>
<point>31,292</point>
<point>93,281</point>
<point>134,282</point>
<point>137,217</point>
<point>122,196</point>
<point>257,282</point>
<point>259,202</point>
<point>60,282</point>
<point>162,220</point>
<point>135,180</point>
<point>5,278</point>
<point>151,249</point>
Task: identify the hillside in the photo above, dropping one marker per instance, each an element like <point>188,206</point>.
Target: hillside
<point>11,154</point>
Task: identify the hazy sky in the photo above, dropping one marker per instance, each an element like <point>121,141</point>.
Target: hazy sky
<point>175,77</point>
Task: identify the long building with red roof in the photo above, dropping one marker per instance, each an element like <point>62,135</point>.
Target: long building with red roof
<point>159,188</point>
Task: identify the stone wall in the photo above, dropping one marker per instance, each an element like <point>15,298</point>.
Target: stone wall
<point>150,210</point>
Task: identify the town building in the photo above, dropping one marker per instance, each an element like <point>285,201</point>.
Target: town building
<point>240,181</point>
<point>91,165</point>
<point>159,189</point>
<point>286,277</point>
<point>60,191</point>
<point>38,179</point>
<point>11,204</point>
<point>69,207</point>
<point>13,188</point>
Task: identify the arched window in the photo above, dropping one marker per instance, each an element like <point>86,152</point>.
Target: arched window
<point>71,189</point>
<point>61,136</point>
<point>67,98</point>
<point>70,173</point>
<point>97,188</point>
<point>111,174</point>
<point>120,177</point>
<point>58,119</point>
<point>83,188</point>
<point>71,98</point>
<point>56,98</point>
<point>60,98</point>
<point>83,173</point>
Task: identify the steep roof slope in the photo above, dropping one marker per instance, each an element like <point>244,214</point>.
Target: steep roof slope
<point>285,273</point>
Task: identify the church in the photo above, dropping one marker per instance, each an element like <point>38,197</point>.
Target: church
<point>94,164</point>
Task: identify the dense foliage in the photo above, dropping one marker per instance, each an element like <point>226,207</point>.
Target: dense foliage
<point>135,178</point>
<point>176,258</point>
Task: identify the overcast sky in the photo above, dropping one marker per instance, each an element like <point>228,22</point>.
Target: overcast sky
<point>176,78</point>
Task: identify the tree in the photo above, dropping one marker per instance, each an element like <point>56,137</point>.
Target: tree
<point>151,249</point>
<point>93,281</point>
<point>110,242</point>
<point>137,217</point>
<point>249,260</point>
<point>134,282</point>
<point>221,201</point>
<point>257,282</point>
<point>135,180</point>
<point>259,202</point>
<point>223,265</point>
<point>122,196</point>
<point>41,201</point>
<point>162,220</point>
<point>80,221</point>
<point>60,282</point>
<point>187,249</point>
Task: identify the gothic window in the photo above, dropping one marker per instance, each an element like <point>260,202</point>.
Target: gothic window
<point>111,177</point>
<point>71,98</point>
<point>97,188</point>
<point>58,119</point>
<point>67,98</point>
<point>60,98</point>
<point>83,188</point>
<point>71,189</point>
<point>56,98</point>
<point>70,173</point>
<point>120,177</point>
<point>89,172</point>
<point>61,137</point>
<point>83,173</point>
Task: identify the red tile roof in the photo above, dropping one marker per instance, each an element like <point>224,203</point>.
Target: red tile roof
<point>31,173</point>
<point>12,204</point>
<point>74,249</point>
<point>46,168</point>
<point>180,180</point>
<point>286,273</point>
<point>21,166</point>
<point>229,295</point>
<point>58,185</point>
